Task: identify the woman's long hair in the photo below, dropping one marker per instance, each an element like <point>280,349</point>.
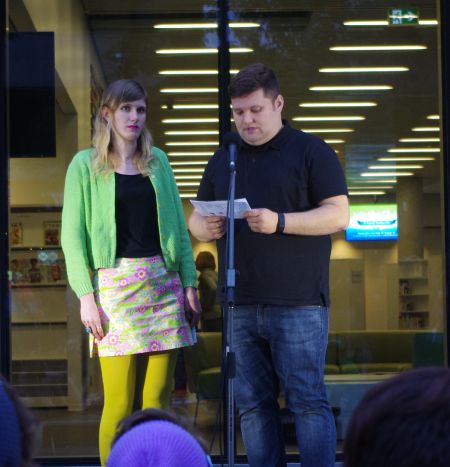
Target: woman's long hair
<point>122,90</point>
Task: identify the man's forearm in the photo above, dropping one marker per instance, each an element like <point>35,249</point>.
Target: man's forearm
<point>326,219</point>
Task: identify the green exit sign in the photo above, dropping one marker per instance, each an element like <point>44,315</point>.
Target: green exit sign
<point>403,16</point>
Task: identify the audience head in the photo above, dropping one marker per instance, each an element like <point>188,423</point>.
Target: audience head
<point>205,260</point>
<point>17,429</point>
<point>402,422</point>
<point>155,438</point>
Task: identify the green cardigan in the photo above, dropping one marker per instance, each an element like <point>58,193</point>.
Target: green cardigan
<point>88,233</point>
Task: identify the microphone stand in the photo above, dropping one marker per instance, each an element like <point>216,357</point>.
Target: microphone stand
<point>230,362</point>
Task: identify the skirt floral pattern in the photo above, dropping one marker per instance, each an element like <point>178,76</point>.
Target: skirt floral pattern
<point>141,307</point>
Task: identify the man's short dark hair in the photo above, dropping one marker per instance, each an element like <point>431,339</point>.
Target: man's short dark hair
<point>402,422</point>
<point>254,77</point>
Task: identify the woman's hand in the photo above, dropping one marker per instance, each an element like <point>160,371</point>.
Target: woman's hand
<point>192,306</point>
<point>90,316</point>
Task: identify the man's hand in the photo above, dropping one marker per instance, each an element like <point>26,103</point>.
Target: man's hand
<point>262,220</point>
<point>216,226</point>
<point>192,306</point>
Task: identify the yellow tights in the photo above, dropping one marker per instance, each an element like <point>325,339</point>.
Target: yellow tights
<point>119,379</point>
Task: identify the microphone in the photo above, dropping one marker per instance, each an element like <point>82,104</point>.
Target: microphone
<point>232,142</point>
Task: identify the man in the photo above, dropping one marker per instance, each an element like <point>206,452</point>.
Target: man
<point>402,422</point>
<point>296,188</point>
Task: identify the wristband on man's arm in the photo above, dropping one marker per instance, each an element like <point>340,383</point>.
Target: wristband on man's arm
<point>280,223</point>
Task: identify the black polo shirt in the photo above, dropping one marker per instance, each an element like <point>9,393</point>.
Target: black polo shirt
<point>293,172</point>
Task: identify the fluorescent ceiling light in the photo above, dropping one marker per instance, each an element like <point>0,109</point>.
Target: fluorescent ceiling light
<point>190,153</point>
<point>349,118</point>
<point>387,187</point>
<point>188,90</point>
<point>366,87</point>
<point>190,106</point>
<point>364,193</point>
<point>193,143</point>
<point>190,120</point>
<point>395,167</point>
<point>392,180</point>
<point>188,183</point>
<point>338,104</point>
<point>433,117</point>
<point>184,133</point>
<point>188,177</point>
<point>376,48</point>
<point>334,141</point>
<point>367,23</point>
<point>327,130</point>
<point>183,164</point>
<point>185,171</point>
<point>203,25</point>
<point>414,150</point>
<point>387,174</point>
<point>366,69</point>
<point>405,159</point>
<point>422,22</point>
<point>188,195</point>
<point>419,140</point>
<point>192,72</point>
<point>426,128</point>
<point>203,50</point>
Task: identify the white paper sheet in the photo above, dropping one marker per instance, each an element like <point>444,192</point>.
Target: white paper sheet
<point>219,208</point>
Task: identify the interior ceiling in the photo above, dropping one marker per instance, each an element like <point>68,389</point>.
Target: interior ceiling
<point>294,38</point>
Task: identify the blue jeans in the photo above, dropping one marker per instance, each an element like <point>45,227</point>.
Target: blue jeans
<point>280,347</point>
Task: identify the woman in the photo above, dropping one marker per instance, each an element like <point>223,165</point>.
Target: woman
<point>123,221</point>
<point>207,288</point>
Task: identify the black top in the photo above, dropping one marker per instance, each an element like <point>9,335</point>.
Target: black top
<point>136,217</point>
<point>293,172</point>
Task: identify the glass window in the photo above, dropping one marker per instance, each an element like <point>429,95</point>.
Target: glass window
<point>78,49</point>
<point>365,80</point>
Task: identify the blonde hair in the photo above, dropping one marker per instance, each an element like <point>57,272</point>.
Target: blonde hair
<point>122,90</point>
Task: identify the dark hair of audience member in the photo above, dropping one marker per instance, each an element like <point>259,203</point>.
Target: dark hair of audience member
<point>27,424</point>
<point>402,422</point>
<point>205,260</point>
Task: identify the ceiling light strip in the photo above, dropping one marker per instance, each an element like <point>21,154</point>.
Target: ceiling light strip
<point>187,133</point>
<point>422,22</point>
<point>202,51</point>
<point>419,140</point>
<point>366,193</point>
<point>190,106</point>
<point>368,87</point>
<point>192,72</point>
<point>190,120</point>
<point>203,25</point>
<point>377,48</point>
<point>397,150</point>
<point>387,174</point>
<point>405,159</point>
<point>367,69</point>
<point>349,118</point>
<point>426,128</point>
<point>188,90</point>
<point>395,167</point>
<point>337,104</point>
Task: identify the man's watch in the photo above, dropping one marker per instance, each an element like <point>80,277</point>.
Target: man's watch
<point>280,223</point>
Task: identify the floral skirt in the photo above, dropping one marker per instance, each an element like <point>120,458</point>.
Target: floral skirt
<point>141,307</point>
